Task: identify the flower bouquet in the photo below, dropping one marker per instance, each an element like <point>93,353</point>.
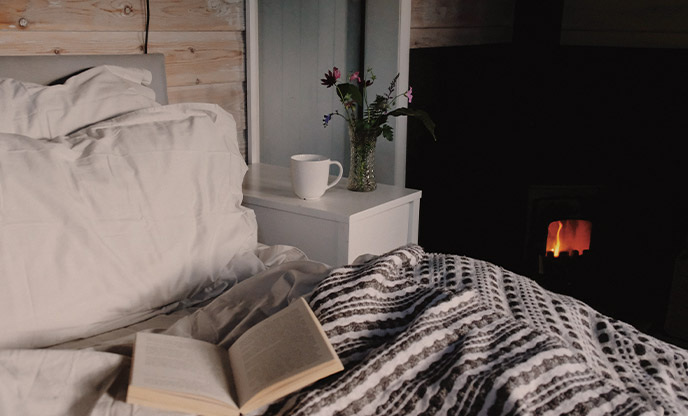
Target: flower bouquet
<point>368,120</point>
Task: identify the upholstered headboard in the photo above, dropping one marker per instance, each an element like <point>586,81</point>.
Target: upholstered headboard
<point>44,69</point>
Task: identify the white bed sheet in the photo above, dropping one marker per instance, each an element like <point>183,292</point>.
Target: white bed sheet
<point>89,376</point>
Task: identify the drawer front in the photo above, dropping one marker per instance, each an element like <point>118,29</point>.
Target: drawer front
<point>316,237</point>
<point>338,243</point>
<point>383,232</point>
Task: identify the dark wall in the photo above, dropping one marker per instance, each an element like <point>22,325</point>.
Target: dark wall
<point>509,118</point>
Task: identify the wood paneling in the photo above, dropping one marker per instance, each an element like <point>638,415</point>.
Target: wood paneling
<point>456,36</point>
<point>436,23</point>
<point>627,23</point>
<point>122,15</point>
<point>203,46</point>
<point>229,96</point>
<point>194,58</point>
<point>633,23</point>
<point>24,42</point>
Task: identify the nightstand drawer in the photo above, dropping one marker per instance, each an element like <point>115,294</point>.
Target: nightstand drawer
<point>339,226</point>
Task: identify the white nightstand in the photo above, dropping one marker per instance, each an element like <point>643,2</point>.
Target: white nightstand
<point>339,226</point>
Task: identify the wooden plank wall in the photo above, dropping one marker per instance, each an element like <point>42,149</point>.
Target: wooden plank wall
<point>622,23</point>
<point>438,23</point>
<point>203,46</point>
<point>626,23</point>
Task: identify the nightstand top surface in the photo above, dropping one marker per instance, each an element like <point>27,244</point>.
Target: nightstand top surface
<point>270,186</point>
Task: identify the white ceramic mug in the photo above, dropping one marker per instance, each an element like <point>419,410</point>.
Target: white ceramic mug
<point>310,175</point>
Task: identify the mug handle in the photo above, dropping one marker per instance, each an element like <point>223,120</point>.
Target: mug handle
<point>341,171</point>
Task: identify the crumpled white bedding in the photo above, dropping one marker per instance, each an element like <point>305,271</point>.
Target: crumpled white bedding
<point>89,376</point>
<point>119,215</point>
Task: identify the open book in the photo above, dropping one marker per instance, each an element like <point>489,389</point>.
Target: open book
<point>281,354</point>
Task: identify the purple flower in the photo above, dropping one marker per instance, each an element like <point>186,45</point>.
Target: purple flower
<point>370,116</point>
<point>327,119</point>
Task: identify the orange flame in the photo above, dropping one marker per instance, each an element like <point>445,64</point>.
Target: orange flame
<point>569,236</point>
<point>557,243</point>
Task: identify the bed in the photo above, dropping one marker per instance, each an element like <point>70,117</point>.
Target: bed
<point>122,213</point>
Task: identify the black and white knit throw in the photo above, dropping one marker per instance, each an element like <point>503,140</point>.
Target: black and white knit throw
<point>436,334</point>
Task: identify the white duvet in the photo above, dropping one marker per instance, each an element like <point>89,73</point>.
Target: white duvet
<point>118,215</point>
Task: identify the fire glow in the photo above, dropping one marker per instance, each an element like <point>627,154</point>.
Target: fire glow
<point>571,236</point>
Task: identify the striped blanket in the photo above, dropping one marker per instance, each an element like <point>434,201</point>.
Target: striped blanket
<point>425,334</point>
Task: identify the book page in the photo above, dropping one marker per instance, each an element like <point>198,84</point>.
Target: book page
<point>181,365</point>
<point>277,348</point>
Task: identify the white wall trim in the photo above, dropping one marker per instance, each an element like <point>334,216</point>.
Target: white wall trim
<point>388,23</point>
<point>387,50</point>
<point>252,83</point>
<point>404,47</point>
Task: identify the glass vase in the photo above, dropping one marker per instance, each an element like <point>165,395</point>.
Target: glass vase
<point>362,167</point>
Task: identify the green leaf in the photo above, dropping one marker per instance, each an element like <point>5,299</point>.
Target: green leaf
<point>349,89</point>
<point>419,114</point>
<point>387,132</point>
<point>376,122</point>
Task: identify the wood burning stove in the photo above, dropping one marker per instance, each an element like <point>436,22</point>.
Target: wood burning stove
<point>560,238</point>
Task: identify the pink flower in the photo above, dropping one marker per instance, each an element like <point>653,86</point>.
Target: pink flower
<point>355,76</point>
<point>331,77</point>
<point>409,94</point>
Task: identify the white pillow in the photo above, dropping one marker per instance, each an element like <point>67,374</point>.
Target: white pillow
<point>94,95</point>
<point>117,219</point>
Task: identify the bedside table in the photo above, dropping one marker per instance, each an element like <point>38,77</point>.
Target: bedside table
<point>336,228</point>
